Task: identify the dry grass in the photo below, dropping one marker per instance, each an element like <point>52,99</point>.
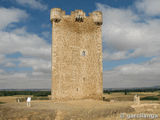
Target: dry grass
<point>77,110</point>
<point>119,96</point>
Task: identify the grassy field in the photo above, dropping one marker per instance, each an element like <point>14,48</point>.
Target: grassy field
<point>111,108</point>
<point>120,96</point>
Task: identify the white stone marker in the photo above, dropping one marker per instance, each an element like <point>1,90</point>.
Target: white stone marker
<point>136,100</point>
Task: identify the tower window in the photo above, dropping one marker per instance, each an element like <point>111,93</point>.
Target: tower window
<point>83,53</point>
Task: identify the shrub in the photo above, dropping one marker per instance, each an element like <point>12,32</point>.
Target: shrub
<point>39,98</point>
<point>150,98</point>
<point>125,92</point>
<point>2,102</point>
<point>35,93</point>
<point>41,93</point>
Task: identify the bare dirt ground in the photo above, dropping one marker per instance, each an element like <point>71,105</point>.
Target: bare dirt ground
<point>74,110</point>
<point>69,110</point>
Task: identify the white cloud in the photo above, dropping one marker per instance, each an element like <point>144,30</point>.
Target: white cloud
<point>149,7</point>
<point>2,58</point>
<point>6,62</point>
<point>27,44</point>
<point>20,31</point>
<point>9,64</point>
<point>47,34</point>
<point>124,36</point>
<point>35,54</point>
<point>133,75</point>
<point>24,80</point>
<point>38,65</point>
<point>35,4</point>
<point>115,56</point>
<point>11,15</point>
<point>127,34</point>
<point>1,70</point>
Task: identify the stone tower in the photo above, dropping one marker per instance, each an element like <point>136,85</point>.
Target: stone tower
<point>76,55</point>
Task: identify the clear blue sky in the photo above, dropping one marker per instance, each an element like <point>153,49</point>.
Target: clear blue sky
<point>131,39</point>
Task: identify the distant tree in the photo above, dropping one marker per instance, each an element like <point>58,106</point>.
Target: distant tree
<point>109,92</point>
<point>125,92</point>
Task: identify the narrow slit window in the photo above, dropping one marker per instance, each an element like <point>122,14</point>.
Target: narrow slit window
<point>83,53</point>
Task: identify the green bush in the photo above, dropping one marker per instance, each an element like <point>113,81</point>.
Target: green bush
<point>125,92</point>
<point>150,98</point>
<point>34,93</point>
<point>41,93</point>
<point>39,98</point>
<point>2,102</point>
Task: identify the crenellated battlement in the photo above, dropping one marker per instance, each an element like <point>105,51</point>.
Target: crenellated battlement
<point>57,14</point>
<point>79,15</point>
<point>97,17</point>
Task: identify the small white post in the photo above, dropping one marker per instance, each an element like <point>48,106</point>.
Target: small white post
<point>29,102</point>
<point>18,100</point>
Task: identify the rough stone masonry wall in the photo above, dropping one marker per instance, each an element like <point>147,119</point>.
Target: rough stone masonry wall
<point>76,58</point>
